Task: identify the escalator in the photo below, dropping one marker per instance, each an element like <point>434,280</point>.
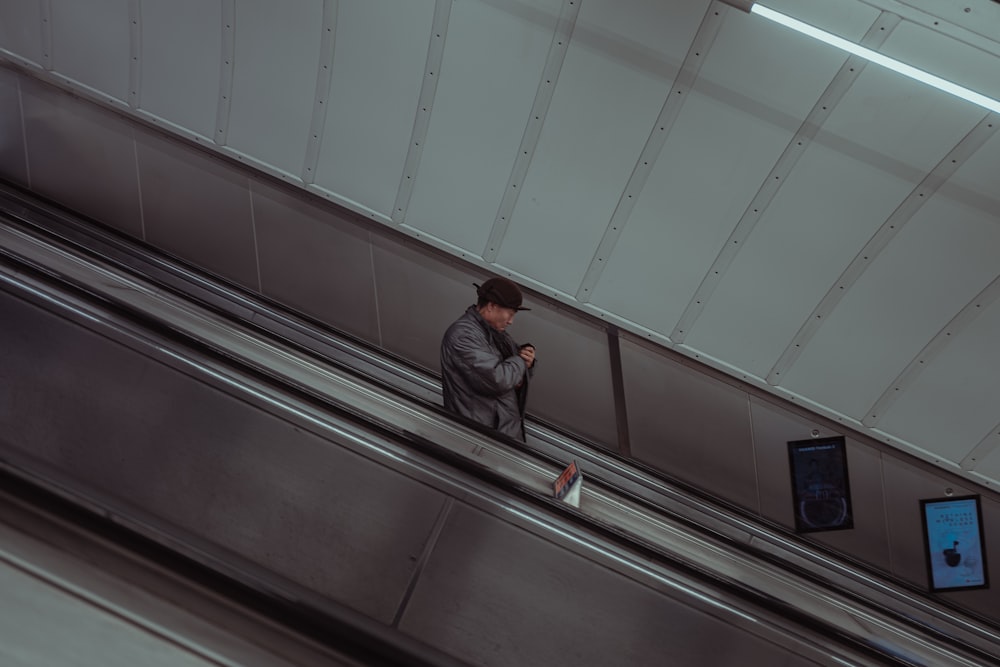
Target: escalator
<point>321,479</point>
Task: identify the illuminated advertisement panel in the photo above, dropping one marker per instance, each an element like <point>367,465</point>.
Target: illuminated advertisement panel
<point>820,487</point>
<point>953,543</point>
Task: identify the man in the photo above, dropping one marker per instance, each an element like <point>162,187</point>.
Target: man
<point>484,372</point>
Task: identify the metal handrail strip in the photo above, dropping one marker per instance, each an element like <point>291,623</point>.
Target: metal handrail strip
<point>211,330</point>
<point>547,443</point>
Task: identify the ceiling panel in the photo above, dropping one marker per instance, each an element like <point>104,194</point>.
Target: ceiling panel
<point>897,306</point>
<point>101,64</point>
<point>196,207</point>
<point>314,261</point>
<point>378,66</point>
<point>975,182</point>
<point>274,80</point>
<point>898,125</point>
<point>847,18</point>
<point>481,108</point>
<point>618,69</point>
<point>743,110</point>
<point>945,57</point>
<point>181,84</point>
<point>952,405</point>
<point>21,28</point>
<point>808,236</point>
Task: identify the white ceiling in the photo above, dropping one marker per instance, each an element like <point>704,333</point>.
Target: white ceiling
<point>824,229</point>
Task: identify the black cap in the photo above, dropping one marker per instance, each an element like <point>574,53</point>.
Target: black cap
<point>502,292</point>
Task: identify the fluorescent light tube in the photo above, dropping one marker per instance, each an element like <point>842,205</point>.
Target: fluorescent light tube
<point>878,58</point>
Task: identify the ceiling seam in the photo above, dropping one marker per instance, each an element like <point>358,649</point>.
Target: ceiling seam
<point>321,101</point>
<point>425,103</point>
<point>228,56</point>
<point>45,16</point>
<point>961,321</point>
<point>135,51</point>
<point>913,202</point>
<point>989,444</point>
<point>533,129</point>
<point>828,100</point>
<point>672,105</point>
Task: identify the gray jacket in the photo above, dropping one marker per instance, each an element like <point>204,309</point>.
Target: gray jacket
<point>484,378</point>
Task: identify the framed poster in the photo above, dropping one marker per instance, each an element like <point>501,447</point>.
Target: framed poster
<point>821,492</point>
<point>953,543</point>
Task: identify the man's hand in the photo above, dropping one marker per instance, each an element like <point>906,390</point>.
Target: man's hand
<point>527,353</point>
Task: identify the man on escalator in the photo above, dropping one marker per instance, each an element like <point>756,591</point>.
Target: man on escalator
<point>484,372</point>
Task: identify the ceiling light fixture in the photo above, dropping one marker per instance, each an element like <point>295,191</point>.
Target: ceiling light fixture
<point>877,58</point>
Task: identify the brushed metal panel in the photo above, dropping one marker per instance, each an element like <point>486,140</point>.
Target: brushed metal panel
<point>963,63</point>
<point>896,307</point>
<point>905,485</point>
<point>21,28</point>
<point>688,424</point>
<point>630,52</point>
<point>208,463</point>
<point>494,594</point>
<point>91,42</point>
<point>13,161</point>
<point>809,234</point>
<point>181,84</point>
<point>81,156</point>
<point>773,428</point>
<point>987,602</point>
<point>420,293</point>
<point>479,116</point>
<point>198,208</point>
<point>867,541</point>
<point>377,71</point>
<point>274,80</point>
<point>315,258</point>
<point>572,385</point>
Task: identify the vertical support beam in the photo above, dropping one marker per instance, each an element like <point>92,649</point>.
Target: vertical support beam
<point>618,389</point>
<point>432,540</point>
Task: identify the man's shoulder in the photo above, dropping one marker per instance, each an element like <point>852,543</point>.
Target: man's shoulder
<point>463,326</point>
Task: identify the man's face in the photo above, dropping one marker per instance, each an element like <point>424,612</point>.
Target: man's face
<point>498,317</point>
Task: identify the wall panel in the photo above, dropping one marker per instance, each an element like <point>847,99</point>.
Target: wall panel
<point>484,573</point>
<point>13,164</point>
<point>197,207</point>
<point>689,425</point>
<point>168,447</point>
<point>316,259</point>
<point>773,428</point>
<point>82,156</point>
